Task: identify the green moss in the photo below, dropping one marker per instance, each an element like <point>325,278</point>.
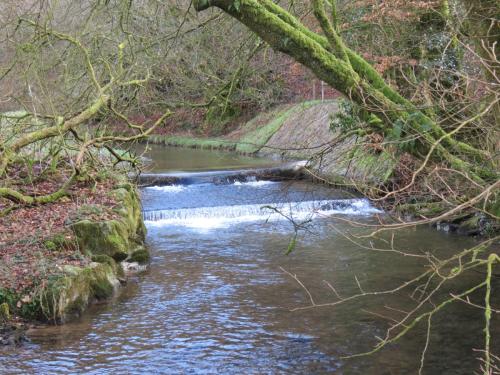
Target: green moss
<point>70,293</point>
<point>8,297</point>
<point>57,242</point>
<point>127,186</point>
<point>356,78</point>
<point>116,241</point>
<point>77,306</point>
<point>102,289</point>
<point>99,280</point>
<point>108,237</point>
<point>141,231</point>
<point>131,213</point>
<point>254,140</point>
<point>4,312</point>
<point>50,245</point>
<point>120,256</point>
<point>140,256</point>
<point>105,259</point>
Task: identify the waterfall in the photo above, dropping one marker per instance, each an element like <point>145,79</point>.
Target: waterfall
<point>216,216</point>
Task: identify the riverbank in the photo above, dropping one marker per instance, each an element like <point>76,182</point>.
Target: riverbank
<point>249,138</point>
<point>301,131</point>
<point>312,131</point>
<point>59,257</point>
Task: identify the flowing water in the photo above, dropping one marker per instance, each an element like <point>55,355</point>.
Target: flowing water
<point>219,295</point>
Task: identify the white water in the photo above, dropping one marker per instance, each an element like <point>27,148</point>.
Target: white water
<point>222,216</point>
<point>251,182</point>
<point>168,188</point>
<point>255,183</point>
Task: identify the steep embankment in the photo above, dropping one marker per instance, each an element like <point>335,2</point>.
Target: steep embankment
<point>61,253</point>
<point>249,138</point>
<point>307,134</point>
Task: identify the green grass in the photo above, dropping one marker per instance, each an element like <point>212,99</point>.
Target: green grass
<point>191,142</point>
<point>251,142</point>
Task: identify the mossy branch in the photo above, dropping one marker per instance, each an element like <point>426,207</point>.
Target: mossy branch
<point>335,16</point>
<point>60,128</point>
<point>493,258</point>
<point>356,78</point>
<point>19,198</point>
<point>330,32</point>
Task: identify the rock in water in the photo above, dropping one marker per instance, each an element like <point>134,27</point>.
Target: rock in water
<point>12,334</point>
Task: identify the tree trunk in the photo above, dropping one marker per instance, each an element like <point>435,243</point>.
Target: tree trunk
<point>354,77</point>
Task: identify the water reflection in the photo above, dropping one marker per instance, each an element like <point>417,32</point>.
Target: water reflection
<point>168,159</point>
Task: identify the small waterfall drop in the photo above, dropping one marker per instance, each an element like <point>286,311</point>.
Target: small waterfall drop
<point>225,215</point>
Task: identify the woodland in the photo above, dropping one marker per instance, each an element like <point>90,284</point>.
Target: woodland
<point>81,81</point>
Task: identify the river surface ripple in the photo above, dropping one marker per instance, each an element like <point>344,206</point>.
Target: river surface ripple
<point>216,298</point>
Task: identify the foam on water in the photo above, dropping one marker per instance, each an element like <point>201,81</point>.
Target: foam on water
<point>223,216</point>
<point>254,183</point>
<point>168,188</point>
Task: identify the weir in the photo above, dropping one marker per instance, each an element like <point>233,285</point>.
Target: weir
<point>288,171</point>
<point>229,197</point>
<point>254,212</point>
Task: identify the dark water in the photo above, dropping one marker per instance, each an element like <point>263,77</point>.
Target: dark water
<point>216,298</point>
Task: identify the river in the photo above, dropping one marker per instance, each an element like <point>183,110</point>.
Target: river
<point>219,298</point>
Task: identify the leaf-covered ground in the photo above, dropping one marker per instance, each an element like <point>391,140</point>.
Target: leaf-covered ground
<point>36,241</point>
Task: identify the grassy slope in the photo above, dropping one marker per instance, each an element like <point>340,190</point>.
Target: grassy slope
<point>251,140</point>
<point>254,140</point>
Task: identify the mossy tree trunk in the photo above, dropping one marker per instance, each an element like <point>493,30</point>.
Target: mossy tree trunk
<point>341,67</point>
